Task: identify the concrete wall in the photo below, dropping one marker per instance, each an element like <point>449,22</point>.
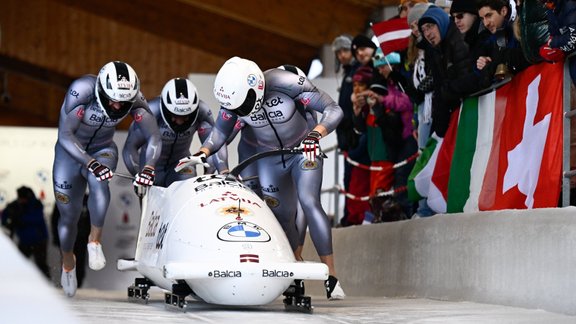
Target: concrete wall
<point>516,258</point>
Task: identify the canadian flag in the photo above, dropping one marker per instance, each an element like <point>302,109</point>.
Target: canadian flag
<point>524,170</point>
<point>502,150</point>
<point>392,34</point>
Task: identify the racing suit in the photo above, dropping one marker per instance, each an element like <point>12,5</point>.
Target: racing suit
<point>86,133</point>
<point>175,145</point>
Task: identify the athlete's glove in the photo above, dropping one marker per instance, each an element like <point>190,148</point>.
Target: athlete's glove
<point>198,158</point>
<point>551,54</point>
<point>99,170</point>
<point>311,145</point>
<point>144,180</point>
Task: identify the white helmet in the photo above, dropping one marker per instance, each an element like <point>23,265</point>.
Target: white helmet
<point>116,82</point>
<point>239,86</point>
<point>179,98</point>
<point>292,68</point>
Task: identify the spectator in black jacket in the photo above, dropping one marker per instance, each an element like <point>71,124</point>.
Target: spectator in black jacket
<point>26,218</point>
<point>447,55</point>
<point>498,44</point>
<point>465,15</point>
<point>562,27</point>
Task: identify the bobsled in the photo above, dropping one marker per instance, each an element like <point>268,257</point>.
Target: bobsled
<point>213,239</point>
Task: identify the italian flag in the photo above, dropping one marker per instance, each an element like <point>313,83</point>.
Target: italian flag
<point>503,150</point>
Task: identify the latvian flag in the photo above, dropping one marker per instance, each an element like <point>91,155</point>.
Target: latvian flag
<point>254,258</point>
<point>392,34</point>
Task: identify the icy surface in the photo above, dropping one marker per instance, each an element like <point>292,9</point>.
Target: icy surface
<point>93,306</point>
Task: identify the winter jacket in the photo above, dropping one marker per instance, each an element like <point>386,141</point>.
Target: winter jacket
<point>533,28</point>
<point>562,25</point>
<point>346,137</point>
<point>448,62</point>
<point>503,48</point>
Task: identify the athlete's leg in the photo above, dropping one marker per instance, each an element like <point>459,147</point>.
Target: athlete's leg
<point>69,188</point>
<point>98,202</point>
<point>301,226</point>
<point>99,197</point>
<point>279,193</point>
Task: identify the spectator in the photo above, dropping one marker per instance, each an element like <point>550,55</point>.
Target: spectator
<point>447,55</point>
<point>422,82</point>
<point>342,49</point>
<point>394,112</point>
<point>365,124</point>
<point>531,28</point>
<point>406,6</point>
<point>562,27</point>
<point>499,46</point>
<point>26,218</point>
<point>362,49</point>
<point>465,15</point>
<point>347,139</point>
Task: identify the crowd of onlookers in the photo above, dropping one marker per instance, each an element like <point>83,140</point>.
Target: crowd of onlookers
<point>393,102</point>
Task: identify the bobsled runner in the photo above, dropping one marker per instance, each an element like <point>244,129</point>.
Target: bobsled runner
<point>212,238</point>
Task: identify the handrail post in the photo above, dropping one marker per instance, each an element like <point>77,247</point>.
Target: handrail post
<point>336,219</point>
<point>566,135</point>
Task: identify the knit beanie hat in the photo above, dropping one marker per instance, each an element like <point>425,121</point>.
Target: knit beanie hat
<point>468,6</point>
<point>380,59</point>
<point>416,12</point>
<point>443,3</point>
<point>436,16</point>
<point>363,74</point>
<point>361,41</point>
<point>341,42</point>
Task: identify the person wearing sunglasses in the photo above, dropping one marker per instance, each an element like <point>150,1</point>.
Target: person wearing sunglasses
<point>86,156</point>
<point>465,16</point>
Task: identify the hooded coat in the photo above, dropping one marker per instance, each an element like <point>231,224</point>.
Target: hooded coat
<point>448,62</point>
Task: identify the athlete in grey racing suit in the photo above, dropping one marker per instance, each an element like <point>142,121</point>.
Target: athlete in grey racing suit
<point>281,123</point>
<point>85,154</point>
<point>247,146</point>
<point>175,145</point>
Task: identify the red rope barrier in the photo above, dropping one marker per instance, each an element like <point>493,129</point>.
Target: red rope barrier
<point>366,198</point>
<point>379,168</point>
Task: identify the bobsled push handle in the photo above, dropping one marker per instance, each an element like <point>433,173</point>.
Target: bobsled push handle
<point>240,167</point>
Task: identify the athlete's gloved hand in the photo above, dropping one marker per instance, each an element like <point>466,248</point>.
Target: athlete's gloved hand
<point>311,145</point>
<point>144,180</point>
<point>198,158</point>
<point>99,170</point>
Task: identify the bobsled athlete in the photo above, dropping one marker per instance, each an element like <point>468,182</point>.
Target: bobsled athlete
<point>266,103</point>
<point>247,147</point>
<point>179,115</point>
<point>86,155</point>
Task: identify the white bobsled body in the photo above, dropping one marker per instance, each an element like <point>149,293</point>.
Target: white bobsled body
<point>221,239</point>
